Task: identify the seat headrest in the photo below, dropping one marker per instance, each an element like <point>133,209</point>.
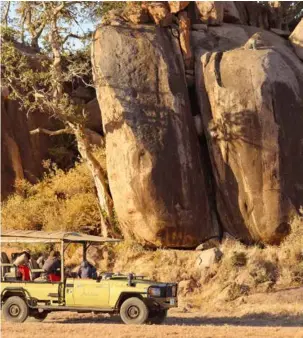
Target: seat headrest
<point>4,258</point>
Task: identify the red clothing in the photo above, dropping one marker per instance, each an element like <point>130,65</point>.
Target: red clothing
<point>24,270</point>
<point>53,278</point>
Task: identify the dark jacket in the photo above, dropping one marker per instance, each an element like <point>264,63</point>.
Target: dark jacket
<point>87,270</point>
<point>51,265</point>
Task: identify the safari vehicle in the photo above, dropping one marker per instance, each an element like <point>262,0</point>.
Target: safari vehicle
<point>136,299</point>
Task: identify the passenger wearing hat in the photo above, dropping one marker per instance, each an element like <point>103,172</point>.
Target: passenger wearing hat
<point>23,258</point>
<point>21,263</point>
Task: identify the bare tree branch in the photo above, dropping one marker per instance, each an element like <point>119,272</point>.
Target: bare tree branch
<point>75,36</point>
<point>51,132</point>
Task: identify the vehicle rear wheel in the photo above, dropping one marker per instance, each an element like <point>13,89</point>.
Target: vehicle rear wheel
<point>134,311</point>
<point>158,317</point>
<point>15,310</point>
<point>36,316</point>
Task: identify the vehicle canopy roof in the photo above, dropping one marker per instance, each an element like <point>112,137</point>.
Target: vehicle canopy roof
<point>24,236</point>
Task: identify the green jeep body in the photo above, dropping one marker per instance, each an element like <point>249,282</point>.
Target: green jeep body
<point>136,299</point>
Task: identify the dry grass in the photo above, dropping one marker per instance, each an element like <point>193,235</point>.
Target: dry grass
<point>242,270</point>
<point>61,201</point>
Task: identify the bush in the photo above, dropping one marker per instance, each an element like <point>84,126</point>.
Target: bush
<point>238,259</point>
<point>264,271</point>
<point>61,201</point>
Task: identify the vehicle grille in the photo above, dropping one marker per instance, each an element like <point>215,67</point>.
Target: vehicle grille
<point>171,290</point>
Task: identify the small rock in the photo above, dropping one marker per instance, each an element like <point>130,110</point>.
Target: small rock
<point>209,257</point>
<point>212,242</point>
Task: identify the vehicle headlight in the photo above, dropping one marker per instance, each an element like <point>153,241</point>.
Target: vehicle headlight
<point>154,291</point>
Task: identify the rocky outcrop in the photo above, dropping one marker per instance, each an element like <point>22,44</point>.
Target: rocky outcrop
<point>17,159</point>
<point>296,39</point>
<point>231,13</point>
<point>159,11</point>
<point>211,12</point>
<point>177,6</point>
<point>94,120</point>
<point>254,143</point>
<point>153,160</point>
<point>184,24</point>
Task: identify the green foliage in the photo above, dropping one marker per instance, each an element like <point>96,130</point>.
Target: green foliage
<point>106,6</point>
<point>8,33</point>
<point>61,201</point>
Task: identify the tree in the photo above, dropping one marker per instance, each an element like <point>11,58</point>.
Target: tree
<point>44,87</point>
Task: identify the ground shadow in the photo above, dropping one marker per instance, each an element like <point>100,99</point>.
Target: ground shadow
<point>258,319</point>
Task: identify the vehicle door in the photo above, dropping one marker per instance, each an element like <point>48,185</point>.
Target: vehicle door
<point>91,293</point>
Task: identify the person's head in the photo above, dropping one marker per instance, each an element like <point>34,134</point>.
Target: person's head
<point>54,254</point>
<point>27,253</point>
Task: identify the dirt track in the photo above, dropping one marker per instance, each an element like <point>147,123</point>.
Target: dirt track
<point>179,324</point>
<point>268,315</point>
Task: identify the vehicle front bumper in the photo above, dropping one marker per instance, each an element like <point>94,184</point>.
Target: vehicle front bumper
<point>164,303</point>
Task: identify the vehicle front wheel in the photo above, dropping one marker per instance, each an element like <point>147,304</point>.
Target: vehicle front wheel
<point>134,311</point>
<point>158,317</point>
<point>15,310</point>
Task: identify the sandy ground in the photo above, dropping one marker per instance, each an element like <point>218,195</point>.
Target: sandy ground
<point>278,315</point>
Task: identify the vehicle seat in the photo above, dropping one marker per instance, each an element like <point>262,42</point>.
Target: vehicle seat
<point>107,275</point>
<point>8,270</point>
<point>33,265</point>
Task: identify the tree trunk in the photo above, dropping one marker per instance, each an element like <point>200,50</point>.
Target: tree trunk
<point>6,13</point>
<point>99,176</point>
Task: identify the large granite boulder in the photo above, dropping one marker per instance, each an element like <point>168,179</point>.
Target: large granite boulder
<point>152,152</point>
<point>296,39</point>
<point>251,103</point>
<point>17,157</point>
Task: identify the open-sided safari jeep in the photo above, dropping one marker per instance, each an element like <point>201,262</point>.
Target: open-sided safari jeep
<point>136,299</point>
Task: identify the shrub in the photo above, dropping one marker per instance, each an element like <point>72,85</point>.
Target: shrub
<point>264,271</point>
<point>61,201</point>
<point>238,259</point>
<point>237,290</point>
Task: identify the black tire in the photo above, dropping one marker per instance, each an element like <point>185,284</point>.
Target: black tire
<point>134,311</point>
<point>36,316</point>
<point>15,310</point>
<point>157,318</point>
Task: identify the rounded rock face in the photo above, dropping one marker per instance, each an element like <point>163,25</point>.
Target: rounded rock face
<point>152,151</point>
<point>296,39</point>
<point>255,128</point>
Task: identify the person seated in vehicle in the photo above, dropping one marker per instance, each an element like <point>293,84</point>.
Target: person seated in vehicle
<point>41,259</point>
<point>87,270</point>
<point>22,264</point>
<point>22,258</point>
<point>52,266</point>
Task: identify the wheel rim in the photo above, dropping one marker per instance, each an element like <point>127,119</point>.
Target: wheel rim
<point>14,310</point>
<point>133,312</point>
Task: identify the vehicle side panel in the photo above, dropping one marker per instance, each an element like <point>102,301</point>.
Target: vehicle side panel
<point>43,291</point>
<point>87,293</point>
